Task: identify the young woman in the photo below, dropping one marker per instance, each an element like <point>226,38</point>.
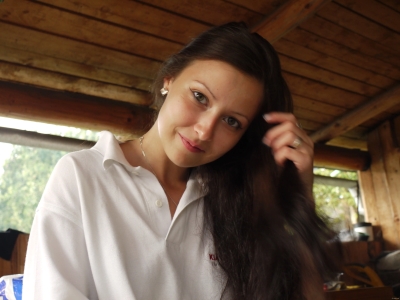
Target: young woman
<point>213,202</point>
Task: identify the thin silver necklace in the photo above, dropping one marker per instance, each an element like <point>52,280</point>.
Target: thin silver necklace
<point>152,170</point>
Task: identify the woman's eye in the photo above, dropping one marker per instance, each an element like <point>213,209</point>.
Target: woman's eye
<point>200,97</point>
<point>232,122</point>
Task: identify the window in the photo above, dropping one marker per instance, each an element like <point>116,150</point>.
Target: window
<point>24,172</point>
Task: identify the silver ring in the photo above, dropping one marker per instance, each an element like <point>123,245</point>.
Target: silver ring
<point>296,143</point>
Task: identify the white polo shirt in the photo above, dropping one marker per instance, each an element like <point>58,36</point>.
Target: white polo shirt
<point>103,230</point>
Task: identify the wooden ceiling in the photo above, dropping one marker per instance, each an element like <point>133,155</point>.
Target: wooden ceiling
<point>90,63</point>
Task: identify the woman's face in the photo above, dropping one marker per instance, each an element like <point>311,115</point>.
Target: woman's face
<point>208,108</point>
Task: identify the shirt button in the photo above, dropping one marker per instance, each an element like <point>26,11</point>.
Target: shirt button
<point>159,203</point>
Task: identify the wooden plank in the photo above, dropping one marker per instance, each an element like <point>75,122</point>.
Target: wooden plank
<point>340,58</point>
<point>287,17</point>
<point>208,11</point>
<point>62,23</point>
<point>72,109</point>
<point>317,106</point>
<point>320,92</point>
<point>327,77</point>
<point>46,63</point>
<point>361,252</point>
<point>354,41</point>
<point>260,6</point>
<point>358,133</point>
<point>348,143</point>
<point>53,80</point>
<point>19,254</point>
<point>396,132</point>
<point>361,25</point>
<point>395,4</point>
<point>319,117</point>
<point>358,115</point>
<point>368,196</point>
<point>75,51</point>
<point>5,267</point>
<point>375,11</point>
<point>391,161</point>
<point>137,16</point>
<point>391,237</point>
<point>340,158</point>
<point>372,293</point>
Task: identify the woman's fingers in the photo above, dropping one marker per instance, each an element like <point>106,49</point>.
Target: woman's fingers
<point>289,142</point>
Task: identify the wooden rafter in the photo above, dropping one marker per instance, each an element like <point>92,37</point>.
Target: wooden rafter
<point>287,17</point>
<point>358,115</point>
<point>73,109</point>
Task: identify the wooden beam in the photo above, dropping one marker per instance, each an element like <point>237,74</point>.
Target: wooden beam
<point>89,30</point>
<point>62,66</point>
<point>287,17</point>
<point>59,47</point>
<point>341,158</point>
<point>358,115</point>
<point>57,81</point>
<point>73,109</point>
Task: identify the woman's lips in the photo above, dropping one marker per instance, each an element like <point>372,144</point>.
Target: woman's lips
<point>190,146</point>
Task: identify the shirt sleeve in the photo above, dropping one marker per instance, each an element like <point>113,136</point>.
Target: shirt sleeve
<point>57,264</point>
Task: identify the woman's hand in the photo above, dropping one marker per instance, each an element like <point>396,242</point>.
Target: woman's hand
<point>289,142</point>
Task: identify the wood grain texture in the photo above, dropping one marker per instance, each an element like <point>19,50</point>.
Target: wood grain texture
<point>340,158</point>
<point>350,143</point>
<point>209,12</point>
<point>327,77</point>
<point>368,197</point>
<point>394,4</point>
<point>391,161</point>
<point>358,115</point>
<point>385,176</point>
<point>375,11</point>
<point>339,58</point>
<point>267,7</point>
<point>361,25</point>
<point>137,16</point>
<point>77,27</point>
<point>60,66</point>
<point>287,17</point>
<point>324,93</point>
<point>72,109</point>
<point>50,45</point>
<point>57,81</point>
<point>350,39</point>
<point>373,293</point>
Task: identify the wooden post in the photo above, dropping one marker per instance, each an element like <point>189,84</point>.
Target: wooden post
<point>380,185</point>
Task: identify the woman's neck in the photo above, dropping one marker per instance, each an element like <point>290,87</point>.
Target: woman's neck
<point>155,159</point>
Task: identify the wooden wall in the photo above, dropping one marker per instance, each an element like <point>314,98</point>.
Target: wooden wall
<point>380,185</point>
<point>17,262</point>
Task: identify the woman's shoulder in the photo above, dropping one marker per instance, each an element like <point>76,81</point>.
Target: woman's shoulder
<point>92,158</point>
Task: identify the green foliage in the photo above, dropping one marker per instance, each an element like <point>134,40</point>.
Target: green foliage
<point>336,203</point>
<point>25,175</point>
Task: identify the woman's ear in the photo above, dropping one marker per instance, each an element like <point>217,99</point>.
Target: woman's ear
<point>168,82</point>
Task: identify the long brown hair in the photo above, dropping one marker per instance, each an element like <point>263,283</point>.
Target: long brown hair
<point>269,241</point>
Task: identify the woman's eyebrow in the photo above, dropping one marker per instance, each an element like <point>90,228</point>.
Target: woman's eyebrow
<point>203,84</point>
<point>240,114</point>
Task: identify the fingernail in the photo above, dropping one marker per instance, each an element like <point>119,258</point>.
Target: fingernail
<point>265,141</point>
<point>267,117</point>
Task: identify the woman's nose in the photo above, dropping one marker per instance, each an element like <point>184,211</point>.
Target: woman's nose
<point>205,126</point>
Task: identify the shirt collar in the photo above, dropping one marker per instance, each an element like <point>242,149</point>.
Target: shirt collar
<point>109,147</point>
